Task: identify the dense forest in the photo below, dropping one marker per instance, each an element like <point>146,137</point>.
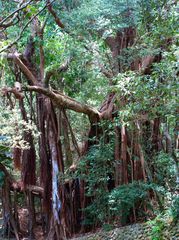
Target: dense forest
<point>88,117</point>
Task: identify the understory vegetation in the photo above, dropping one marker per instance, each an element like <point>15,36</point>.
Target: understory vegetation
<point>88,116</point>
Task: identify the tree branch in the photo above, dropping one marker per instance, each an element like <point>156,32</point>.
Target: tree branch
<point>57,20</point>
<point>61,69</point>
<point>42,54</point>
<point>14,14</point>
<point>26,71</point>
<point>66,102</point>
<point>16,93</point>
<point>23,29</point>
<point>17,58</point>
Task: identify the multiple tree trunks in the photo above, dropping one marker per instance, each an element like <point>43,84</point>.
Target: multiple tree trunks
<point>10,224</point>
<point>62,202</point>
<point>117,43</point>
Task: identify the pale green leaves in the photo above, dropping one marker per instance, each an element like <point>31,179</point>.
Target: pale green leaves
<point>12,128</point>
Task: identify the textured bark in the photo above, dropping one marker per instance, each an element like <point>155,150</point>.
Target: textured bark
<point>139,150</point>
<point>30,76</point>
<point>28,173</point>
<point>156,138</point>
<point>10,225</point>
<point>57,230</point>
<point>73,138</point>
<point>45,165</point>
<point>17,153</point>
<point>63,101</point>
<point>28,155</point>
<point>118,164</point>
<point>142,160</point>
<point>122,40</point>
<point>124,172</point>
<point>67,147</point>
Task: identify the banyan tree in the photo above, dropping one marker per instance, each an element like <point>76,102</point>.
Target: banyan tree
<point>57,151</point>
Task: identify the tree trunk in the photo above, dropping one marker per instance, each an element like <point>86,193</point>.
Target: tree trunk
<point>124,172</point>
<point>118,165</point>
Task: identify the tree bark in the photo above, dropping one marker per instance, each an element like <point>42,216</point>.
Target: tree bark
<point>66,102</point>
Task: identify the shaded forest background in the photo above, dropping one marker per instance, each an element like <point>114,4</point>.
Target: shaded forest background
<point>88,115</point>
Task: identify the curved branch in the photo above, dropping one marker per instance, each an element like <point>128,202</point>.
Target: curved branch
<point>18,60</point>
<point>66,102</point>
<point>63,68</point>
<point>26,71</point>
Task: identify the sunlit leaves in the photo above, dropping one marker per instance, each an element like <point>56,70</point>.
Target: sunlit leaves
<point>12,128</point>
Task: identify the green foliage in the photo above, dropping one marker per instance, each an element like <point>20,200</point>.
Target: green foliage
<point>158,225</point>
<point>12,128</point>
<point>164,169</point>
<point>83,42</point>
<point>101,16</point>
<point>166,219</point>
<point>2,176</point>
<point>6,160</point>
<point>96,169</point>
<point>117,203</point>
<point>158,21</point>
<point>126,197</point>
<point>175,208</point>
<point>5,156</point>
<point>153,94</point>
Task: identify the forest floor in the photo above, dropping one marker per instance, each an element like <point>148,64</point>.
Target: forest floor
<point>23,225</point>
<point>137,231</point>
